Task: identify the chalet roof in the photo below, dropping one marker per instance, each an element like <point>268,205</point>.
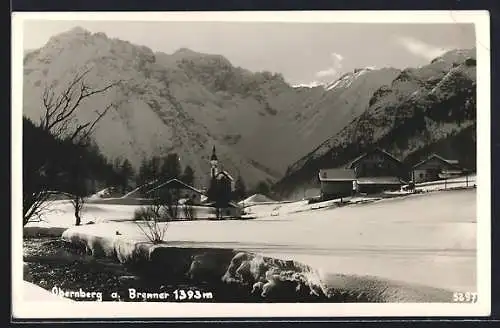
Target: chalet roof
<point>450,162</point>
<point>338,174</point>
<point>175,184</point>
<point>224,173</point>
<point>379,180</point>
<point>230,204</point>
<point>359,158</point>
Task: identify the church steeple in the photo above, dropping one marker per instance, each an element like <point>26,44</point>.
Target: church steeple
<point>214,163</point>
<point>214,156</point>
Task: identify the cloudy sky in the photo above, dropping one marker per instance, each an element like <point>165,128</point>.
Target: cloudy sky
<point>302,52</point>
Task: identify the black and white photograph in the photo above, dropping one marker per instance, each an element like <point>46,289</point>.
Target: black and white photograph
<point>251,164</point>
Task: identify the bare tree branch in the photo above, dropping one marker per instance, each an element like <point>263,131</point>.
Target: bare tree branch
<point>88,128</point>
<point>37,204</point>
<point>60,111</point>
<point>59,119</point>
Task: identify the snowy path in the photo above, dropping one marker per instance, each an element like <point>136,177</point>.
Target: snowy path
<point>422,238</point>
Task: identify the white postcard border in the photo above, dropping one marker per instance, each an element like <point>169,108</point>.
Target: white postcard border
<point>23,309</point>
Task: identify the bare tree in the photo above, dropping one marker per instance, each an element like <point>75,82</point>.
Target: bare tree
<point>35,205</point>
<point>153,219</point>
<point>78,202</point>
<point>77,174</point>
<point>60,109</point>
<point>59,120</point>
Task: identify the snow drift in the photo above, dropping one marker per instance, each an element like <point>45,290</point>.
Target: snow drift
<point>270,278</point>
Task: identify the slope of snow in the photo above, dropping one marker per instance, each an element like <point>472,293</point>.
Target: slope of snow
<point>424,238</point>
<point>347,98</point>
<point>313,84</point>
<point>60,214</point>
<point>459,182</point>
<point>347,79</point>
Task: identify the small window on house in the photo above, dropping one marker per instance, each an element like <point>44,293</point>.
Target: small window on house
<point>228,212</point>
<point>421,175</point>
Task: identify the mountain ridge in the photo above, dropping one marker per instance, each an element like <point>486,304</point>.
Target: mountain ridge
<point>187,102</point>
<point>421,107</point>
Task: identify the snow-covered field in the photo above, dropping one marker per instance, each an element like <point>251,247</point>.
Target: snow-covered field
<point>459,182</point>
<point>60,214</point>
<point>425,238</point>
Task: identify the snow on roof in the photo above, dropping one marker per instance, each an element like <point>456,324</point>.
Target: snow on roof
<point>230,204</point>
<point>257,198</point>
<point>357,159</point>
<point>379,180</point>
<point>137,191</point>
<point>175,183</point>
<point>337,175</point>
<point>225,173</point>
<point>452,171</point>
<point>440,158</point>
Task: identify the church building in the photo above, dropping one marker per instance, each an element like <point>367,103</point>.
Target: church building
<point>221,189</point>
<point>216,173</point>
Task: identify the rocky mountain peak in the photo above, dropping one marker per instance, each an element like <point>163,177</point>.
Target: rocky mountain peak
<point>77,30</point>
<point>419,110</point>
<point>76,33</point>
<point>187,102</point>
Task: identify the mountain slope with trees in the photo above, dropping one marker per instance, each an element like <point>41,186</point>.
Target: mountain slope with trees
<point>187,102</point>
<point>423,110</point>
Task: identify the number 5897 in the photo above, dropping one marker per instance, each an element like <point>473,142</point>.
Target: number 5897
<point>467,297</point>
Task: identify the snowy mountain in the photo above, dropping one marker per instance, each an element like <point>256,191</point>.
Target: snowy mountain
<point>422,110</point>
<point>186,102</point>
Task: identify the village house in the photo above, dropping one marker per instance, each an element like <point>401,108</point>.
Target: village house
<point>337,183</point>
<point>177,190</point>
<point>435,167</point>
<point>372,172</point>
<point>378,171</point>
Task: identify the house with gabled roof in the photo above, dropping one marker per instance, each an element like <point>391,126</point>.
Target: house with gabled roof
<point>336,183</point>
<point>177,190</point>
<point>435,167</point>
<point>372,172</point>
<point>378,170</point>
